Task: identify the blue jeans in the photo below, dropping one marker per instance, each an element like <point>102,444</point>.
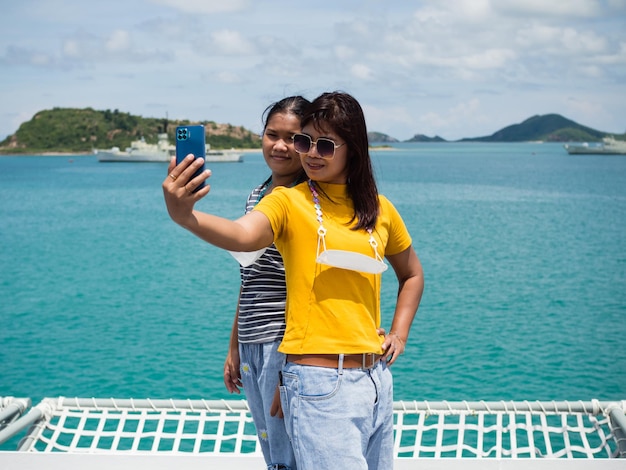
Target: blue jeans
<point>339,418</point>
<point>260,365</point>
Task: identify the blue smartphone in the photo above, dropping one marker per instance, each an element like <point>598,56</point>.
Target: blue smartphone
<point>190,139</point>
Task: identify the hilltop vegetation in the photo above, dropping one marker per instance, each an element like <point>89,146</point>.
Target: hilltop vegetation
<point>425,138</point>
<point>380,137</point>
<point>83,130</point>
<point>73,130</point>
<point>545,128</point>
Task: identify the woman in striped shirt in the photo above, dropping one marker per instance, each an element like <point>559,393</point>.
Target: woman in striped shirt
<point>253,361</point>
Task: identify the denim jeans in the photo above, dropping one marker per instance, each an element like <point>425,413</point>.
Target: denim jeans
<point>260,365</point>
<point>339,418</point>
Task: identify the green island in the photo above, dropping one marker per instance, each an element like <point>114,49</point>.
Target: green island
<point>82,131</point>
<point>76,131</point>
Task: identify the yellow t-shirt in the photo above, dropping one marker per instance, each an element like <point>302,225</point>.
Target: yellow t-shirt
<point>329,310</point>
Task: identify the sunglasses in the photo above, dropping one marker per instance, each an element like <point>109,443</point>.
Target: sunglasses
<point>325,147</point>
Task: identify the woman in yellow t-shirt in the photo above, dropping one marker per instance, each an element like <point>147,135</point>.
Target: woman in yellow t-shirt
<point>333,232</point>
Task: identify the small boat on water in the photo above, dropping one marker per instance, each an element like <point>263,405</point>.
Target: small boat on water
<point>139,151</point>
<point>608,146</point>
<point>162,151</point>
<point>231,155</point>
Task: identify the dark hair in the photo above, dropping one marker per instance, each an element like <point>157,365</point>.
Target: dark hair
<point>296,105</point>
<point>341,113</point>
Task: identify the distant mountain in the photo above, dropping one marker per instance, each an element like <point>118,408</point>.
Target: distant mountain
<point>83,130</point>
<point>546,128</point>
<point>380,137</point>
<point>425,138</point>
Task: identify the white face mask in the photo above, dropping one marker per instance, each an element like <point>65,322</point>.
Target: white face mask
<point>342,258</point>
<point>246,258</point>
<point>351,260</point>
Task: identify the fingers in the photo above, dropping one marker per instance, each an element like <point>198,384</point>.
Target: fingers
<point>233,384</point>
<point>393,347</point>
<point>175,171</point>
<point>276,408</point>
<point>172,164</point>
<point>180,177</point>
<point>232,379</point>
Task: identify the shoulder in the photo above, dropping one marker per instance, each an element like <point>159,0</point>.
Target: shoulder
<point>283,201</point>
<point>254,196</point>
<point>388,212</point>
<point>255,193</point>
<point>297,192</point>
<point>385,204</point>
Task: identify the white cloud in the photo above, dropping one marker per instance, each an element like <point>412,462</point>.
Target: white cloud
<point>343,52</point>
<point>617,4</point>
<point>118,41</point>
<point>232,42</point>
<point>471,10</point>
<point>557,40</point>
<point>360,71</point>
<point>489,59</point>
<point>561,8</point>
<point>41,60</point>
<point>228,77</point>
<point>469,111</point>
<point>387,119</point>
<point>204,6</point>
<point>418,65</point>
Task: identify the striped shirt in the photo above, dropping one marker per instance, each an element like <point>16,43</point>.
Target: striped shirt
<point>263,291</point>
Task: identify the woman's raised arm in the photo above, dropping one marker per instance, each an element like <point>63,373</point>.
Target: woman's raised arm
<point>248,233</point>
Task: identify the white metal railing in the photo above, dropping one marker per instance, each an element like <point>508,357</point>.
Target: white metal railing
<point>11,408</point>
<point>465,430</point>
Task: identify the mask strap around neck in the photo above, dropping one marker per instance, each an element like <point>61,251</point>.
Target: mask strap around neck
<point>374,245</point>
<point>321,236</point>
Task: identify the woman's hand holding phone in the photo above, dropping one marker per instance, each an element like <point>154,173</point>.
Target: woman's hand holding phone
<point>190,140</point>
<point>183,187</point>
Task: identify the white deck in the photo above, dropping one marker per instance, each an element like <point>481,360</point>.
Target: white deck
<point>64,461</point>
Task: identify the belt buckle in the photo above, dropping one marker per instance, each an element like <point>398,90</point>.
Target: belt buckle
<point>364,361</point>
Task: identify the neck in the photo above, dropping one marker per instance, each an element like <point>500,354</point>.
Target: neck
<point>279,180</point>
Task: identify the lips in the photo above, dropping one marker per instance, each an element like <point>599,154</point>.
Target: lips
<point>314,165</point>
<point>282,158</point>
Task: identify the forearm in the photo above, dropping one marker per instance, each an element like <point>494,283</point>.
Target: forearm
<point>215,230</point>
<point>232,375</point>
<point>409,297</point>
<point>239,235</point>
<point>234,332</point>
<point>410,276</point>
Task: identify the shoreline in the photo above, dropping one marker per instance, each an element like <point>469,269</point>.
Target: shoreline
<point>48,154</point>
<point>90,153</point>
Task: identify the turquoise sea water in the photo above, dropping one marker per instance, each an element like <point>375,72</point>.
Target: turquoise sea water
<point>523,247</point>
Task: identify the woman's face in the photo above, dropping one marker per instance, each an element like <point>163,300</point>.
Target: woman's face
<point>326,170</point>
<point>277,144</point>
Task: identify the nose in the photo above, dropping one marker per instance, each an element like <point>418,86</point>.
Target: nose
<point>281,144</point>
<point>314,149</point>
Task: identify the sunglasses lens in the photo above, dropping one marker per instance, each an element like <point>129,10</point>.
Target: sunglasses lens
<point>325,148</point>
<point>302,143</point>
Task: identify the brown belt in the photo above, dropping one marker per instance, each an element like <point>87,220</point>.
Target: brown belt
<point>350,361</point>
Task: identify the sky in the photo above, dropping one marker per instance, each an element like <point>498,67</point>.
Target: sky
<point>452,68</point>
